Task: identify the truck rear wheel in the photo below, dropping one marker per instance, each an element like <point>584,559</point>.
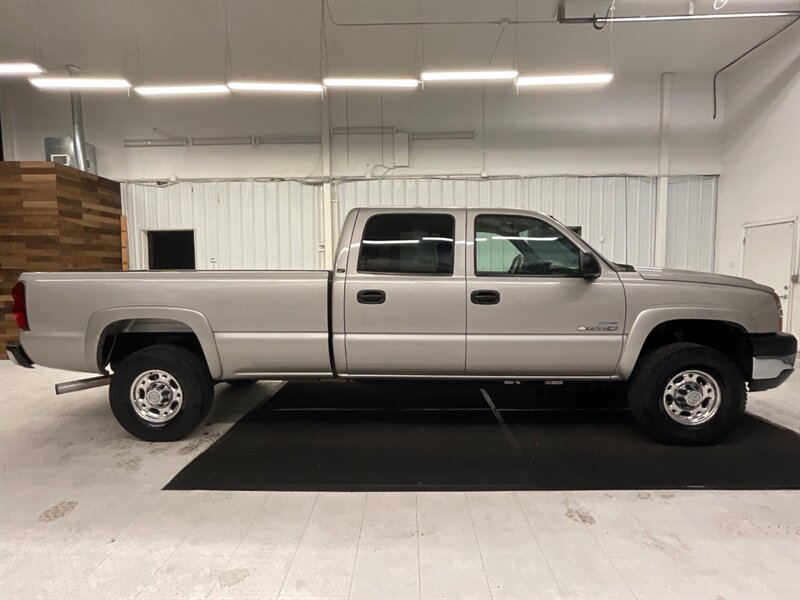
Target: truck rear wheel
<point>161,393</point>
<point>687,394</point>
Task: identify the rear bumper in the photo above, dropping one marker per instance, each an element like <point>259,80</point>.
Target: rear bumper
<point>773,360</point>
<point>18,356</point>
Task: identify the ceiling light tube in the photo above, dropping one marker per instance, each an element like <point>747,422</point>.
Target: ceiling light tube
<point>79,83</point>
<point>180,90</point>
<point>269,86</point>
<point>545,80</point>
<point>697,17</point>
<point>19,69</point>
<point>468,75</point>
<point>338,82</point>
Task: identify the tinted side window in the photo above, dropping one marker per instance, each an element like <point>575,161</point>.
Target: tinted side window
<point>408,243</point>
<point>514,245</point>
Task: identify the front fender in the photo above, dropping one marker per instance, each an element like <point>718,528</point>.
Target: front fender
<point>649,319</point>
<point>194,320</point>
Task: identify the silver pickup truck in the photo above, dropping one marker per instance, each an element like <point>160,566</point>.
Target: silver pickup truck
<point>417,293</point>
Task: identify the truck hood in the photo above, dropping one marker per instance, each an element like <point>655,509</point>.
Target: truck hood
<point>699,277</point>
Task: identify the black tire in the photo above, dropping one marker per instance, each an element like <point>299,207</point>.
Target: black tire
<point>186,368</point>
<point>658,368</point>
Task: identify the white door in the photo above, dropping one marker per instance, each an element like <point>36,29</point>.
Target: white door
<point>768,257</point>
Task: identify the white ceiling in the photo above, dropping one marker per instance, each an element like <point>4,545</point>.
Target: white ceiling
<point>151,41</point>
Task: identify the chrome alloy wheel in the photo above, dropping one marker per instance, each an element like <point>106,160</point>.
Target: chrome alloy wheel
<point>156,396</point>
<point>692,397</point>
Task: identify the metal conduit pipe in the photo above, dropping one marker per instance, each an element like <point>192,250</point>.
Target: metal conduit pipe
<point>78,136</point>
<point>598,21</point>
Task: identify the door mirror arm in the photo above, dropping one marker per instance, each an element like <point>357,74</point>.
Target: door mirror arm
<point>590,266</point>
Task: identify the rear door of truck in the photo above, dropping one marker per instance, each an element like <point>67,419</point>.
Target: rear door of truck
<point>404,306</point>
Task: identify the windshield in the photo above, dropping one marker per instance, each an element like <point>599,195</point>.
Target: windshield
<point>614,265</point>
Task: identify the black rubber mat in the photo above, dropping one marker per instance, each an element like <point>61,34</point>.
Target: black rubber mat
<point>358,436</point>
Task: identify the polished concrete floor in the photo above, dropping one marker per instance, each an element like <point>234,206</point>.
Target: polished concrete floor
<point>82,515</point>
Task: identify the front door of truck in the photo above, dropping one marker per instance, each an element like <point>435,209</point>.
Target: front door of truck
<point>404,294</point>
<point>529,310</point>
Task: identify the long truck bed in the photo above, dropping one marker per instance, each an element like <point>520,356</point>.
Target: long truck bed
<point>286,326</point>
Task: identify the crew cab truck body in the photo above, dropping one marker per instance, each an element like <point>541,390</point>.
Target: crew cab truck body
<point>417,293</point>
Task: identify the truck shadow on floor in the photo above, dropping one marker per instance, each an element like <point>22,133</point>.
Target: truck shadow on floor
<point>417,437</point>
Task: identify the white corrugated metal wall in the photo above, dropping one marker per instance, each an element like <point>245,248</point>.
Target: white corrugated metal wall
<point>617,213</point>
<point>238,225</point>
<point>278,225</point>
<point>691,222</point>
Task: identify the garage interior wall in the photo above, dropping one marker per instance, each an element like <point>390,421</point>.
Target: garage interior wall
<point>602,131</point>
<point>278,225</point>
<point>237,225</point>
<point>691,223</point>
<point>760,176</point>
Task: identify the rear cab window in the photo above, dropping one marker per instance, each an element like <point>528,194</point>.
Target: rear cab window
<point>408,244</point>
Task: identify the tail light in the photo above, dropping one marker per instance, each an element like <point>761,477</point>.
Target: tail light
<point>18,307</point>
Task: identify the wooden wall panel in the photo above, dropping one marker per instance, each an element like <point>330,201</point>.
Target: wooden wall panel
<point>54,218</point>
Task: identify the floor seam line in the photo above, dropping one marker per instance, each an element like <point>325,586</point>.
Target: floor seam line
<point>613,564</point>
<point>244,535</point>
<point>645,529</point>
<point>358,544</point>
<point>478,544</point>
<point>168,558</point>
<point>419,568</point>
<point>297,548</point>
<point>539,545</point>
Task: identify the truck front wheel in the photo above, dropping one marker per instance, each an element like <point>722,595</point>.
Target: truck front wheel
<point>687,394</point>
<point>161,393</point>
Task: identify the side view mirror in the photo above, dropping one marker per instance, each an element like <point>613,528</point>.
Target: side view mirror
<point>590,266</point>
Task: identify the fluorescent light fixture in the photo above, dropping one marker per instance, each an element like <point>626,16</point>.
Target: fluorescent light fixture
<point>180,90</point>
<point>79,83</point>
<point>698,17</point>
<point>542,80</point>
<point>18,69</point>
<point>337,82</point>
<point>468,75</point>
<point>390,242</point>
<point>524,238</point>
<point>268,86</point>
